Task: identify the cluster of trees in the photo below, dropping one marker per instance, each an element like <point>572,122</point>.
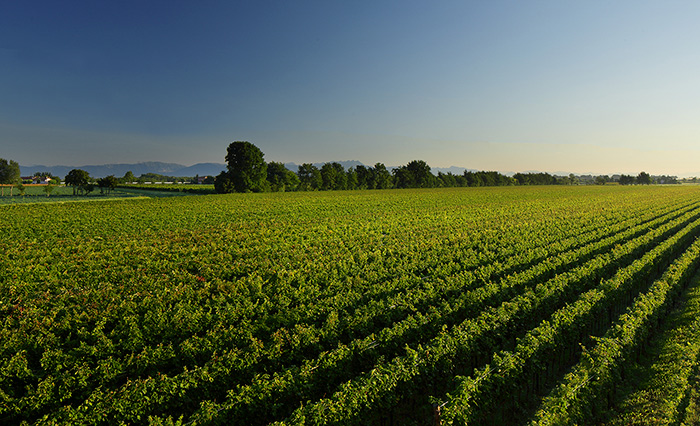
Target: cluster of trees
<point>645,179</point>
<point>247,171</point>
<point>83,184</point>
<point>80,181</point>
<point>9,173</point>
<point>642,179</point>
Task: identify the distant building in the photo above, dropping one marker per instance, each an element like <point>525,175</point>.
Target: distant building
<point>36,180</point>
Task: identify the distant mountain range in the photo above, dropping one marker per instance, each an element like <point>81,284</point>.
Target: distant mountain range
<point>119,170</point>
<point>179,170</point>
<point>167,169</point>
<point>213,169</point>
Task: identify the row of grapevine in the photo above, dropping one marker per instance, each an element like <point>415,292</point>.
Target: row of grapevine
<point>298,308</point>
<point>155,359</point>
<point>538,356</point>
<point>385,385</point>
<point>197,380</point>
<point>315,376</point>
<point>665,394</point>
<point>594,377</point>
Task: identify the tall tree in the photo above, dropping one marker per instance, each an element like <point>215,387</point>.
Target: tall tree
<point>223,183</point>
<point>107,183</point>
<point>128,177</point>
<point>280,178</point>
<point>78,179</point>
<point>247,169</point>
<point>415,174</point>
<point>309,177</point>
<point>351,178</point>
<point>333,176</point>
<point>643,178</point>
<point>382,177</point>
<point>627,180</point>
<point>365,180</point>
<point>9,173</point>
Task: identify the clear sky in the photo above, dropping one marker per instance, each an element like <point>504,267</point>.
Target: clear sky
<point>576,86</point>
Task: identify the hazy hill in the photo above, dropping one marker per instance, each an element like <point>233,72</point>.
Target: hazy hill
<point>118,170</point>
<point>213,169</point>
<point>179,170</point>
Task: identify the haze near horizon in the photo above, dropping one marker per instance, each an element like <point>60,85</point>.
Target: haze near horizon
<point>552,86</point>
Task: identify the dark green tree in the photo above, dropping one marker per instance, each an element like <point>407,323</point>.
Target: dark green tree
<point>78,179</point>
<point>351,179</point>
<point>107,183</point>
<point>446,180</point>
<point>247,169</point>
<point>382,177</point>
<point>415,174</point>
<point>643,178</point>
<point>333,176</point>
<point>309,177</point>
<point>280,178</point>
<point>88,188</point>
<point>9,173</point>
<point>473,178</point>
<point>223,183</point>
<point>128,177</point>
<point>365,178</point>
<point>627,180</point>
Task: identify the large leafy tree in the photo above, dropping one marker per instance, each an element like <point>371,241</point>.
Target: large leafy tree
<point>627,180</point>
<point>415,174</point>
<point>128,177</point>
<point>223,183</point>
<point>333,176</point>
<point>246,169</point>
<point>280,178</point>
<point>365,178</point>
<point>382,177</point>
<point>107,183</point>
<point>644,178</point>
<point>351,179</point>
<point>78,179</point>
<point>9,173</point>
<point>309,177</point>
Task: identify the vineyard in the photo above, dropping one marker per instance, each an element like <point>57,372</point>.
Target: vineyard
<point>455,306</point>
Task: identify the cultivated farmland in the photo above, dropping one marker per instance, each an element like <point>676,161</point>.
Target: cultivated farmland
<point>517,305</point>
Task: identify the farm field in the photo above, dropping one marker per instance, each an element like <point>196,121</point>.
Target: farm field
<point>169,188</point>
<point>36,194</point>
<point>60,193</point>
<point>504,305</point>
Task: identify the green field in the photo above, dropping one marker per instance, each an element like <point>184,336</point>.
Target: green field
<point>171,188</point>
<point>511,305</point>
<point>36,193</point>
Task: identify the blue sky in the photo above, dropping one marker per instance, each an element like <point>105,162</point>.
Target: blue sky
<point>594,86</point>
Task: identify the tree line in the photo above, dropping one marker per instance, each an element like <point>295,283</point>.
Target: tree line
<point>247,171</point>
